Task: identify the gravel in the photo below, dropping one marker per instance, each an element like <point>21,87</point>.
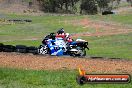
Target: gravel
<point>38,62</point>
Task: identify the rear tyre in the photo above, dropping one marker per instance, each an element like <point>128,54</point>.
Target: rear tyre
<point>82,53</point>
<point>73,54</point>
<point>43,49</point>
<point>8,48</point>
<point>21,49</point>
<point>1,47</point>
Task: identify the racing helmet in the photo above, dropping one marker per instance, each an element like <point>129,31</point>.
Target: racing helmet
<point>61,31</point>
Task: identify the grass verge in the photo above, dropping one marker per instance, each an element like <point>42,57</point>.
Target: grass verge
<point>115,46</point>
<point>14,78</point>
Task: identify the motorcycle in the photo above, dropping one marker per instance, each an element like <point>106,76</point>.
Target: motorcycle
<point>57,46</point>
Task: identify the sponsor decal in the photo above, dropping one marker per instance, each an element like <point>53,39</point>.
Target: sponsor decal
<point>83,78</point>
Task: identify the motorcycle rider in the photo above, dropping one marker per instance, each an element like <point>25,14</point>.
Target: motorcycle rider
<point>66,36</point>
<point>61,33</point>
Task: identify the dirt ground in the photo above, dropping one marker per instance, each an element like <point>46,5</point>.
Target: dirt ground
<point>37,62</point>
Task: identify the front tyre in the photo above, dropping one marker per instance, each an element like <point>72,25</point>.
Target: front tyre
<point>43,49</point>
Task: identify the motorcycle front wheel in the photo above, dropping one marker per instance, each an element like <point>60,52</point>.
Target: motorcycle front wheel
<point>43,49</point>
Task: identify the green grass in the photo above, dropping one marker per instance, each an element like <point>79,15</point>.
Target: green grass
<point>116,46</point>
<point>24,42</point>
<point>14,78</point>
<point>124,19</point>
<point>40,26</point>
<point>119,46</point>
<point>43,25</point>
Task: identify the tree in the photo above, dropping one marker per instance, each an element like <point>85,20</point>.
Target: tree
<point>130,1</point>
<point>103,4</point>
<point>49,5</point>
<point>88,7</point>
<point>56,5</point>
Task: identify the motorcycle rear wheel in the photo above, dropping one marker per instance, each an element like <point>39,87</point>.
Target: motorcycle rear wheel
<point>82,53</point>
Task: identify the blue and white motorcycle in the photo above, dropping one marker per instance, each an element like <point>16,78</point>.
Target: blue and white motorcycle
<point>57,46</point>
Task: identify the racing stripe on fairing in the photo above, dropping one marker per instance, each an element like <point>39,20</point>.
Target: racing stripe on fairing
<point>58,53</point>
